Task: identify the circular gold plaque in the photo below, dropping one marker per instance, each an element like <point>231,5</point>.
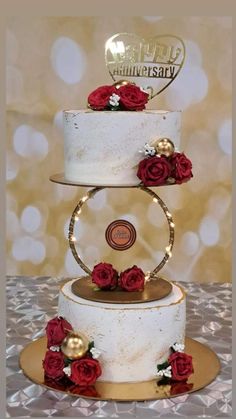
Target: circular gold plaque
<point>153,290</point>
<point>205,362</point>
<point>120,235</point>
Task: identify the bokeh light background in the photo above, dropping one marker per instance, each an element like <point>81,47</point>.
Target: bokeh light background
<point>53,64</point>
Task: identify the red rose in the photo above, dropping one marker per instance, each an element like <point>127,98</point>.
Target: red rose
<point>59,384</point>
<point>182,167</point>
<point>99,98</point>
<point>89,391</point>
<point>85,371</point>
<point>181,366</point>
<point>180,387</point>
<point>154,171</point>
<point>53,364</point>
<point>104,276</point>
<point>132,279</point>
<point>56,331</point>
<point>132,98</point>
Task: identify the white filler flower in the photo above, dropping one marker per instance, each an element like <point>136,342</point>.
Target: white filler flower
<point>165,372</point>
<point>95,353</point>
<point>55,348</point>
<point>148,150</point>
<point>114,100</point>
<point>67,370</point>
<point>178,347</point>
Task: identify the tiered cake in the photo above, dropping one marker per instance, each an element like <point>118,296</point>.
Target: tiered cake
<point>103,147</point>
<point>133,338</point>
<point>116,142</point>
<point>120,335</point>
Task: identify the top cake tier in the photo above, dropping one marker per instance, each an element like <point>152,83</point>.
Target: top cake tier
<point>103,147</point>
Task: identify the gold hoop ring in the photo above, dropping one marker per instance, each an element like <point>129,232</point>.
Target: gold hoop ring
<point>155,198</point>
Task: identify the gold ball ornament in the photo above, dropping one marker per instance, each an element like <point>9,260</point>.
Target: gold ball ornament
<point>164,146</point>
<point>120,83</point>
<point>75,345</point>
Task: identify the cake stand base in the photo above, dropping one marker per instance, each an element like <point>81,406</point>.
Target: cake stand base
<point>205,362</point>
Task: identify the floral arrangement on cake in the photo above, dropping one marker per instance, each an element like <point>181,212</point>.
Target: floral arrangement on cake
<point>107,278</point>
<point>163,165</point>
<point>71,361</point>
<point>177,368</point>
<point>121,96</point>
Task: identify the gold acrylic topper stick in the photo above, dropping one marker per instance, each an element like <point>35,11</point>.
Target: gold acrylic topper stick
<point>151,63</point>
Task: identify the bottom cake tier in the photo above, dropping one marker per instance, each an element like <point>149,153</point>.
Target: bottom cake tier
<point>132,338</point>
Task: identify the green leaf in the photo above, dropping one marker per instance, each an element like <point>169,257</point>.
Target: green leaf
<point>68,362</point>
<point>96,289</point>
<point>91,345</point>
<point>163,366</point>
<point>163,381</point>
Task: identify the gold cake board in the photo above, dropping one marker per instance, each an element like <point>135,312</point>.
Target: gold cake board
<point>205,362</point>
<point>154,290</point>
<point>61,179</point>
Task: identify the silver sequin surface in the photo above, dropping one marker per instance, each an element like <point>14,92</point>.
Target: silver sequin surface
<point>31,302</point>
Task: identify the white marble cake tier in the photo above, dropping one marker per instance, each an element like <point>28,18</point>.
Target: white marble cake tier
<point>102,147</point>
<point>133,338</point>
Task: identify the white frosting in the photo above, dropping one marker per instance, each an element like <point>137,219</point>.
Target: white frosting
<point>102,147</point>
<point>132,338</point>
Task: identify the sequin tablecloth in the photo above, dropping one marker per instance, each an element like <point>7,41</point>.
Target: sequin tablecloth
<point>31,302</point>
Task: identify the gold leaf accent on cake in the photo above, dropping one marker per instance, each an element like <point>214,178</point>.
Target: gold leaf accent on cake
<point>79,153</point>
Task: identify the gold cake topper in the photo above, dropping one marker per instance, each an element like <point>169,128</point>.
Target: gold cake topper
<point>151,63</point>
